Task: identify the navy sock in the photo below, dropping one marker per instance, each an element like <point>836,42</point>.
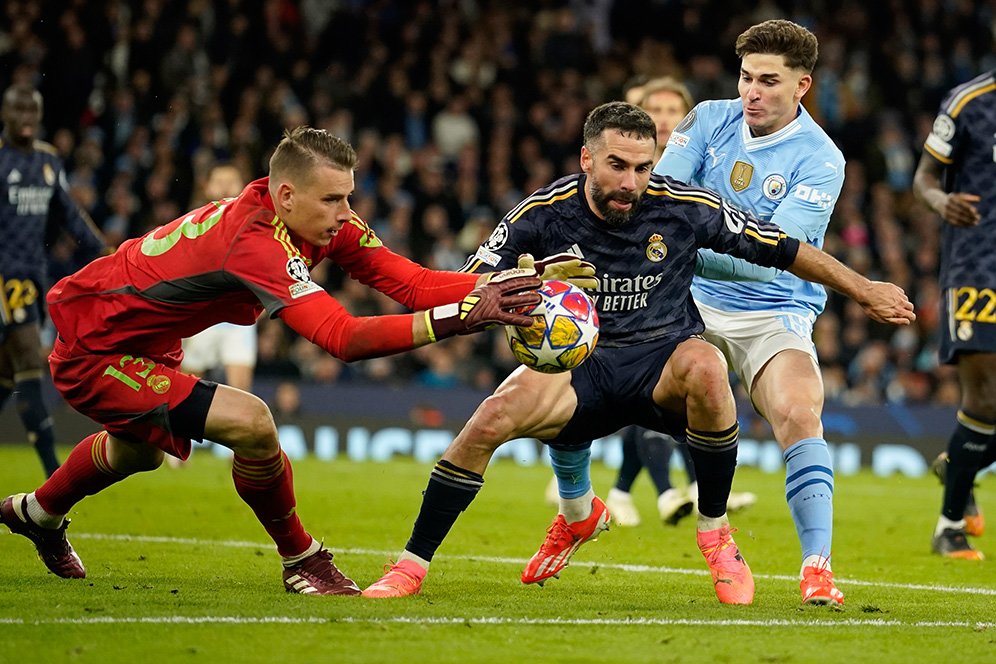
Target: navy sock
<point>450,491</point>
<point>655,451</point>
<point>966,450</point>
<point>714,454</point>
<point>37,422</point>
<point>689,463</point>
<point>631,463</point>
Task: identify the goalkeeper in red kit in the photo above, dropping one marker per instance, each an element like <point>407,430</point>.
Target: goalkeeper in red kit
<point>121,318</point>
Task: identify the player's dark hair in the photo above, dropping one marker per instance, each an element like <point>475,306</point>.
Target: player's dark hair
<point>780,37</point>
<point>620,116</point>
<point>304,148</point>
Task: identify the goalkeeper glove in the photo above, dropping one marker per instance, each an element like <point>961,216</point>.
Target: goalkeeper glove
<point>562,267</point>
<point>500,301</point>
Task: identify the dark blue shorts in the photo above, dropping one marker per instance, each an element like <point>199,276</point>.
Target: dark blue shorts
<point>615,389</point>
<point>968,322</point>
<point>20,301</point>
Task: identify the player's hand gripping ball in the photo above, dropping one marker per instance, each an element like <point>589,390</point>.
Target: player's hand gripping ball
<point>564,331</point>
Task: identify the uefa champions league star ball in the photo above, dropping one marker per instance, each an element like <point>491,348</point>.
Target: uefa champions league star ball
<point>564,331</point>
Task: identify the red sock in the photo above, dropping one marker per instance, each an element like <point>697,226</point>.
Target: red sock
<point>267,486</point>
<point>84,473</point>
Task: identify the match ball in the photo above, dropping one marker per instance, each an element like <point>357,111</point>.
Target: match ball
<point>564,331</point>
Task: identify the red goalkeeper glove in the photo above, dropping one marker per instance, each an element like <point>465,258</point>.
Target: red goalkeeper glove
<point>495,303</point>
<point>562,267</point>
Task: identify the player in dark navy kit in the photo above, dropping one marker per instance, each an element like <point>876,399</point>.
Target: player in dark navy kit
<point>956,178</point>
<point>33,201</point>
<point>121,318</point>
<point>642,232</point>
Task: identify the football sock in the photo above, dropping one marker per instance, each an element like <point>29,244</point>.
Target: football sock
<point>6,389</point>
<point>573,471</point>
<point>450,491</point>
<point>943,523</point>
<point>38,515</point>
<point>315,547</point>
<point>577,509</point>
<point>85,472</point>
<point>38,424</point>
<point>655,453</point>
<point>267,487</point>
<point>966,451</point>
<point>809,493</point>
<point>989,456</point>
<point>714,454</point>
<point>689,464</point>
<point>631,463</point>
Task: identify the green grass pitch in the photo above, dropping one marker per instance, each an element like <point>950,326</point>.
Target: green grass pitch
<point>179,571</point>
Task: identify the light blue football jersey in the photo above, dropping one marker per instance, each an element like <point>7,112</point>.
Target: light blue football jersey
<point>791,178</point>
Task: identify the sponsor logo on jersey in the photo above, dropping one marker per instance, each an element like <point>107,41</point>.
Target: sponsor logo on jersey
<point>159,384</point>
<point>686,122</point>
<point>944,127</point>
<point>656,249</point>
<point>681,140</point>
<point>498,237</point>
<point>302,288</point>
<point>774,187</point>
<point>489,257</point>
<point>740,175</point>
<point>821,199</point>
<point>298,269</point>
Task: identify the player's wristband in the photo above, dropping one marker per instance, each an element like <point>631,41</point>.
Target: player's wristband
<point>443,321</point>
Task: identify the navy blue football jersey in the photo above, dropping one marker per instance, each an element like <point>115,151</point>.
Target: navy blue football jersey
<point>33,194</point>
<point>963,139</point>
<point>645,267</point>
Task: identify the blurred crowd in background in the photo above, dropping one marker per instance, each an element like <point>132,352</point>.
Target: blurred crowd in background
<point>458,109</point>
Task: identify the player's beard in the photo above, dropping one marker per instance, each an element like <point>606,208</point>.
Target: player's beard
<point>601,198</point>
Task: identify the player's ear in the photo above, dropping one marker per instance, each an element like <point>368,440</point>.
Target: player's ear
<point>805,83</point>
<point>586,159</point>
<point>285,196</point>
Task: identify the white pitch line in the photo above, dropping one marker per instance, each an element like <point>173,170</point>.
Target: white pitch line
<point>637,569</point>
<point>498,621</point>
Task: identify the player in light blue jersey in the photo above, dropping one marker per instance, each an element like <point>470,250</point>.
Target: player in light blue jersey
<point>764,153</point>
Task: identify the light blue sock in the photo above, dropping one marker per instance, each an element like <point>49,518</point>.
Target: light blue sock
<point>809,492</point>
<point>573,471</point>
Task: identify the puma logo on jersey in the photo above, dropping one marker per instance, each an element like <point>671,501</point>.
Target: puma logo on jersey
<point>715,156</point>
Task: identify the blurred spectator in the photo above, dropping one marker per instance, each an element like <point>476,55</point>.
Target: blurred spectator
<point>459,109</point>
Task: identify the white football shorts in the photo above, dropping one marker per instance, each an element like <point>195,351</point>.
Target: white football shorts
<point>749,339</point>
<point>219,346</point>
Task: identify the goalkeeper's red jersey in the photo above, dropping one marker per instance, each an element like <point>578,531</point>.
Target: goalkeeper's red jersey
<point>228,262</point>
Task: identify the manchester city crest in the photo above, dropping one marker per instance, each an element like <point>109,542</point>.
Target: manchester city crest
<point>774,187</point>
<point>656,249</point>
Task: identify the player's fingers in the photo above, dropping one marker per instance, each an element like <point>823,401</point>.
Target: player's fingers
<point>526,262</point>
<point>511,318</point>
<point>519,300</point>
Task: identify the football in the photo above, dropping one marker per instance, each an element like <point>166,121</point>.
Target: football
<point>564,331</point>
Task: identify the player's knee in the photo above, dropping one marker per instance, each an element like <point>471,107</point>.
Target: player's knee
<point>793,420</point>
<point>703,371</point>
<point>261,430</point>
<point>491,424</point>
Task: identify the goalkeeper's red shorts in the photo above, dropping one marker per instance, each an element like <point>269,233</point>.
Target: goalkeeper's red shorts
<point>130,396</point>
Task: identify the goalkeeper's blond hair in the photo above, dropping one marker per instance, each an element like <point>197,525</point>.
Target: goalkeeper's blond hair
<point>303,149</point>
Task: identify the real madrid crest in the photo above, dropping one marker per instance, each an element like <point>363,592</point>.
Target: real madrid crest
<point>965,331</point>
<point>740,175</point>
<point>49,174</point>
<point>656,249</point>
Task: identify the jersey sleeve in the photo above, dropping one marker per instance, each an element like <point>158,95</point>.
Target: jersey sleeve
<point>359,251</point>
<point>729,230</point>
<point>502,249</point>
<point>64,213</point>
<point>686,148</point>
<point>945,135</point>
<point>805,212</point>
